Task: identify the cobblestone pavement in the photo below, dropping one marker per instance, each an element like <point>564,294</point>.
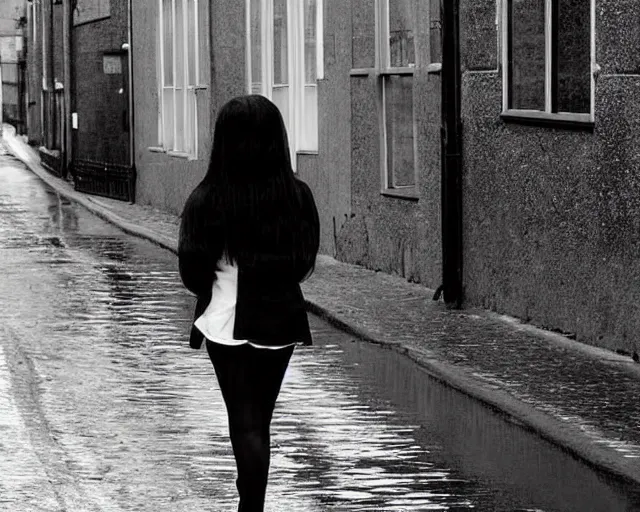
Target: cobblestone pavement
<point>580,398</point>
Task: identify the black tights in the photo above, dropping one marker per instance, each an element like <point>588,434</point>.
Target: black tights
<point>250,380</point>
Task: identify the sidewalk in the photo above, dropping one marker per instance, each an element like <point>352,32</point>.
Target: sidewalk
<point>579,397</point>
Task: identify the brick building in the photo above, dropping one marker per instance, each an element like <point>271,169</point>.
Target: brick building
<point>101,99</point>
<point>80,82</point>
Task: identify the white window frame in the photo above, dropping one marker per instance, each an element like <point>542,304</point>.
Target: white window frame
<point>44,52</point>
<point>34,23</point>
<point>547,114</point>
<point>383,70</point>
<point>184,96</point>
<point>296,66</point>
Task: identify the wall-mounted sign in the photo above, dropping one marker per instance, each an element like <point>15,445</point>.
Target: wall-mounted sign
<point>112,64</point>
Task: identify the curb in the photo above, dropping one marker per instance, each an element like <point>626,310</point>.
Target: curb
<point>514,410</point>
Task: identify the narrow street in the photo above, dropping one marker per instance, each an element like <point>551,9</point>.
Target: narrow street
<point>103,407</point>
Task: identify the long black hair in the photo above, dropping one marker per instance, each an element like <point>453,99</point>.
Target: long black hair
<point>250,205</point>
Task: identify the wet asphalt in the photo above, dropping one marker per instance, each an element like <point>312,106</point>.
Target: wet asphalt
<point>103,407</point>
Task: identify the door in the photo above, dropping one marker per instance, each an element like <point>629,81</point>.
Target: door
<point>116,72</point>
<point>101,121</point>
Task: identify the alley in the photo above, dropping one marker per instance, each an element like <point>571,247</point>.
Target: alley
<point>104,408</point>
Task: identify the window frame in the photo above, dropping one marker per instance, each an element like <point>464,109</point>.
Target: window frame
<point>546,116</point>
<point>187,91</point>
<point>382,70</point>
<point>34,23</point>
<point>296,80</point>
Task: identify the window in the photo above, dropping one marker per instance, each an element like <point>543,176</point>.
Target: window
<point>548,55</point>
<point>284,56</point>
<point>396,59</point>
<point>34,28</point>
<point>178,77</point>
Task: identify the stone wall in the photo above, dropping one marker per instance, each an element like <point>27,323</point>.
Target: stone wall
<point>329,172</point>
<point>552,215</point>
<point>393,234</point>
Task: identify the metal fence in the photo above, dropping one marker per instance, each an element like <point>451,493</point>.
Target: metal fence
<point>105,179</point>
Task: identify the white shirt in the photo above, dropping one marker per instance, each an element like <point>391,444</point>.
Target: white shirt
<point>218,320</point>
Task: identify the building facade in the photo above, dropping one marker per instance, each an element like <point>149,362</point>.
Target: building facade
<point>300,55</point>
<point>174,76</point>
<point>101,99</point>
<point>551,115</point>
<point>13,23</point>
<point>45,69</point>
<point>80,85</point>
<point>548,103</point>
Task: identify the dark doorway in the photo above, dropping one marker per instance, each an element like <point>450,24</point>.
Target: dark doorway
<point>101,135</point>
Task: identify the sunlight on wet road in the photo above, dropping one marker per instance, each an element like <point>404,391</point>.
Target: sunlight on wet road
<point>96,322</point>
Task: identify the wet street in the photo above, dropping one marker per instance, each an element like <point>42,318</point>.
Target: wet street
<point>103,407</point>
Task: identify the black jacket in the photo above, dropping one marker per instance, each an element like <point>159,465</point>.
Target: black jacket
<point>270,308</point>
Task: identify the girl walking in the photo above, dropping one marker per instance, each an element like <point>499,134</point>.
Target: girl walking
<point>249,235</point>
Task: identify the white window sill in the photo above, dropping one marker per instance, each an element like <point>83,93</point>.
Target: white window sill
<point>173,154</point>
<point>410,193</point>
<point>180,154</point>
<point>313,152</point>
<point>92,20</point>
<point>362,71</point>
<point>409,70</point>
<point>536,117</point>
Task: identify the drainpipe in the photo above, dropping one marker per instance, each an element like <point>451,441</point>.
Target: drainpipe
<point>51,86</point>
<point>451,165</point>
<point>67,20</point>
<point>130,71</point>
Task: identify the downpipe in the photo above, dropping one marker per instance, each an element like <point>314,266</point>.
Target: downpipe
<point>67,146</point>
<point>130,71</point>
<point>451,162</point>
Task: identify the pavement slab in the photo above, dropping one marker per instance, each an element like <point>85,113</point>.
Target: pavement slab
<point>577,396</point>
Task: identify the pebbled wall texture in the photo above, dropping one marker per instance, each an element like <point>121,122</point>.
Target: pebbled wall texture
<point>328,171</point>
<point>392,234</point>
<point>552,215</point>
